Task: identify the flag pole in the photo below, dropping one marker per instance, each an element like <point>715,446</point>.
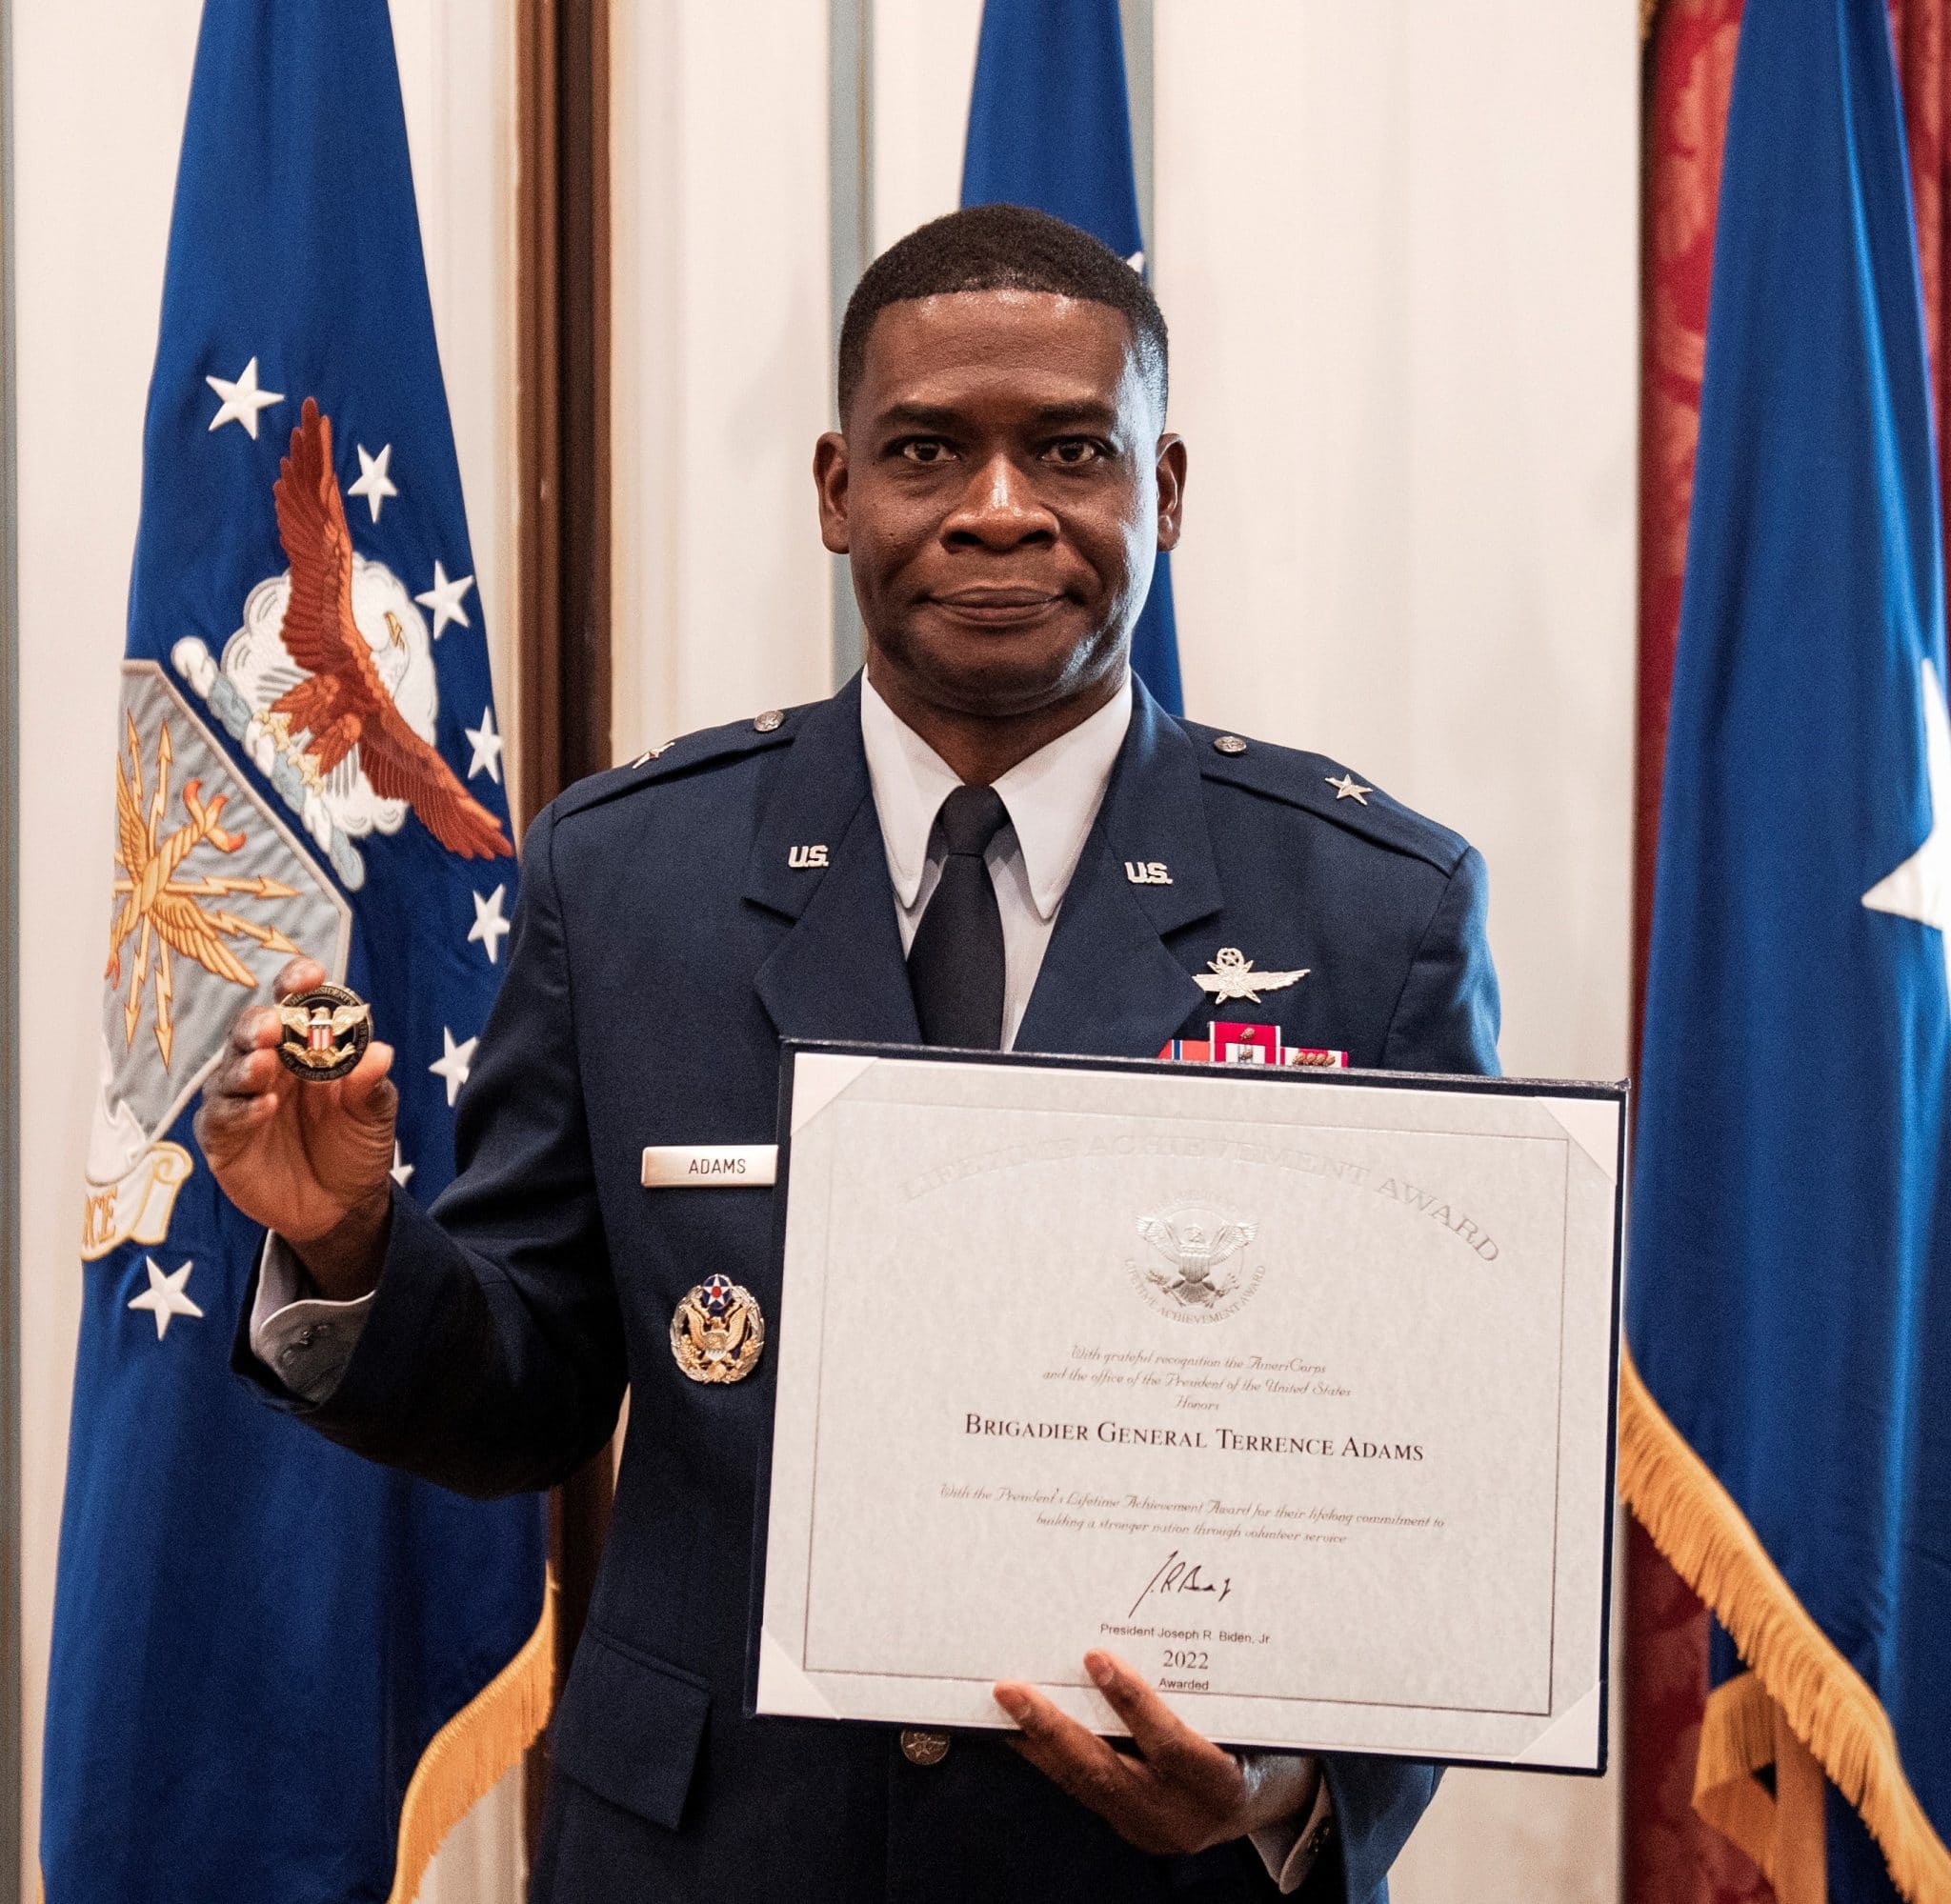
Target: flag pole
<point>563,635</point>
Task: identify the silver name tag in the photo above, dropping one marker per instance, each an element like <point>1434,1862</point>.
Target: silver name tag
<point>710,1166</point>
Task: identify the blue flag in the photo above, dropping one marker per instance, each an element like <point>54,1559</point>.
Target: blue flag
<point>1786,1421</point>
<point>257,1635</point>
<point>1050,127</point>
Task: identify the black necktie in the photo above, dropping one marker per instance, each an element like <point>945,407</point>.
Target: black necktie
<point>955,964</point>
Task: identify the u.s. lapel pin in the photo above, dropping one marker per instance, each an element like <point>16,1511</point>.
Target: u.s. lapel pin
<point>1148,872</point>
<point>806,858</point>
<point>1233,976</point>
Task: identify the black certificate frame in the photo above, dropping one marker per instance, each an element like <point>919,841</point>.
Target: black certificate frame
<point>1618,1093</point>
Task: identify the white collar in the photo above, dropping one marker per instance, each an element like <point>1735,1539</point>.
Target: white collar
<point>1053,797</point>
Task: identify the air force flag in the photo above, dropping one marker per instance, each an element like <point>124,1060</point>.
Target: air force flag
<point>278,1671</point>
<point>1787,1419</point>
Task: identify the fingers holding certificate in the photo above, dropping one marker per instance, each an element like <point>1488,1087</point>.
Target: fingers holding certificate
<point>1293,1391</point>
<point>1178,1792</point>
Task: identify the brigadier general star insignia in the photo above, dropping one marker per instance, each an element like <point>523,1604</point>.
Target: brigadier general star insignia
<point>1233,976</point>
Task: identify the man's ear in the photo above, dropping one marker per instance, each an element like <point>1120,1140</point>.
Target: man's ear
<point>830,483</point>
<point>1171,489</point>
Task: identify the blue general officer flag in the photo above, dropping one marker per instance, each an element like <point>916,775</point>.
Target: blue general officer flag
<point>257,1635</point>
<point>1050,127</point>
<point>1786,1425</point>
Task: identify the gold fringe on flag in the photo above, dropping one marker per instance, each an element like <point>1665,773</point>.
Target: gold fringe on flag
<point>467,1758</point>
<point>1800,1690</point>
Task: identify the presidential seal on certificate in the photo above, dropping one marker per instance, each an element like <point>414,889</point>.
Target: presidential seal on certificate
<point>1294,1389</point>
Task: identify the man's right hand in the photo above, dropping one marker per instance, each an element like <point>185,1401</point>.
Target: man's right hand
<point>309,1160</point>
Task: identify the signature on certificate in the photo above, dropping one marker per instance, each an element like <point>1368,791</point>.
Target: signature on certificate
<point>1176,1574</point>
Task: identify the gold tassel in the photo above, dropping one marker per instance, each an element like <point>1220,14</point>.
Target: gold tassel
<point>1742,1731</point>
<point>1824,1703</point>
<point>1737,1741</point>
<point>467,1755</point>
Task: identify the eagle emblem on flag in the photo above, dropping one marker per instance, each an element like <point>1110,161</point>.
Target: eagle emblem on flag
<point>344,701</point>
<point>330,683</point>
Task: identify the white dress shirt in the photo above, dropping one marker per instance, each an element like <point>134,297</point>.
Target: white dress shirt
<point>1052,800</point>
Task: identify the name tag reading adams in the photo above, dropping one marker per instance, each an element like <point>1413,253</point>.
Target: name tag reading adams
<point>1292,1388</point>
<point>710,1166</point>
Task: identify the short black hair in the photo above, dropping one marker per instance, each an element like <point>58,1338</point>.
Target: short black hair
<point>1001,247</point>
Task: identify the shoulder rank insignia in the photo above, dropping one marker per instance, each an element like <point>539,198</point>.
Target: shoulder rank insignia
<point>326,1032</point>
<point>1233,976</point>
<point>717,1332</point>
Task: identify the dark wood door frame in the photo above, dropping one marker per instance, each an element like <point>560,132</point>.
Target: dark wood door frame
<point>562,542</point>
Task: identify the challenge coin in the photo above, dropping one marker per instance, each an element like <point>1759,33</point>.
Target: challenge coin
<point>326,1032</point>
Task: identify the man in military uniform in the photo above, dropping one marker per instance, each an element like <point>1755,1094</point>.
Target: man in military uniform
<point>991,838</point>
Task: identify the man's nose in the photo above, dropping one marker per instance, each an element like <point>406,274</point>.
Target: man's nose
<point>999,509</point>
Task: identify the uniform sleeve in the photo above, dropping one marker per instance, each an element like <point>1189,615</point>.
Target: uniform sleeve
<point>1447,1016</point>
<point>491,1359</point>
<point>1376,1804</point>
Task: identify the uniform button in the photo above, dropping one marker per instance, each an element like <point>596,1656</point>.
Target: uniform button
<point>770,721</point>
<point>924,1748</point>
<point>1229,743</point>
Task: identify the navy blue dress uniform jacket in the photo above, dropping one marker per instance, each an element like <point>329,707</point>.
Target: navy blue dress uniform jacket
<point>664,943</point>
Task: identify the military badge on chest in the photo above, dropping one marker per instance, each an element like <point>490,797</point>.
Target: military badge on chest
<point>717,1332</point>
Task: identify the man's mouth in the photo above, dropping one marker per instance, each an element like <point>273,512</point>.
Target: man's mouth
<point>997,605</point>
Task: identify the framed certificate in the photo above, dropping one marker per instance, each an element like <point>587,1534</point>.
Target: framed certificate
<point>1294,1389</point>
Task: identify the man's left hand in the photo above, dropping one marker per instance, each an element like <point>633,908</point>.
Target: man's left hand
<point>1178,1792</point>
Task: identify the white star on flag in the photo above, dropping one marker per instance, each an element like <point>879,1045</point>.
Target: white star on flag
<point>1920,888</point>
<point>242,399</point>
<point>452,1063</point>
<point>164,1297</point>
<point>373,483</point>
<point>444,598</point>
<point>489,926</point>
<point>401,1170</point>
<point>487,745</point>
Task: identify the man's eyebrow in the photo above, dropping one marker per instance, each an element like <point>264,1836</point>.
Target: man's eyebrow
<point>929,417</point>
<point>940,420</point>
<point>1084,415</point>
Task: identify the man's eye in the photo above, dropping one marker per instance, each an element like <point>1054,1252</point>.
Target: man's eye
<point>1075,453</point>
<point>925,450</point>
